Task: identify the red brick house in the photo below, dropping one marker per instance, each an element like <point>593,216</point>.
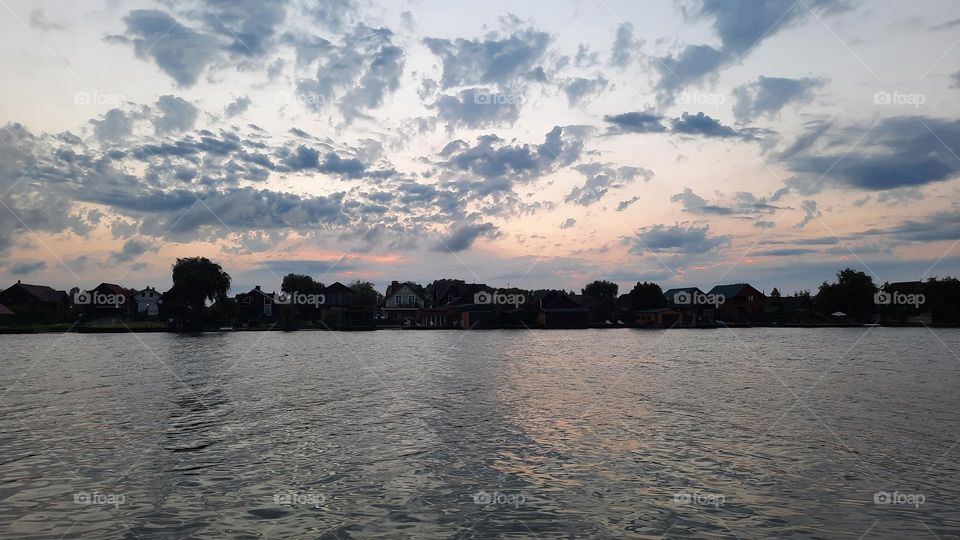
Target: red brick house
<point>742,303</point>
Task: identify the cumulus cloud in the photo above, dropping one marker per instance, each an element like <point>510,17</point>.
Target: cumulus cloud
<point>24,268</point>
<point>237,107</point>
<point>701,124</point>
<point>496,59</point>
<point>636,122</point>
<point>767,96</point>
<point>492,158</point>
<point>478,108</point>
<point>578,89</point>
<point>132,249</point>
<point>626,204</point>
<point>569,223</point>
<point>176,115</point>
<point>115,126</point>
<point>626,48</point>
<point>810,212</point>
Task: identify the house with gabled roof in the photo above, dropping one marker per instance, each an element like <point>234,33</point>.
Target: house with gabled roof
<point>402,302</point>
<point>35,303</point>
<point>742,303</point>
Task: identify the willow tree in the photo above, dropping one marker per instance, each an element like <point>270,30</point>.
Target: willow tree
<point>198,280</point>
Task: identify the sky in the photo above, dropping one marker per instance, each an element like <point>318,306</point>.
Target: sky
<point>538,144</point>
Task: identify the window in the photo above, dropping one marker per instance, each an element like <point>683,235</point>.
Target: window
<point>750,298</point>
<point>411,300</point>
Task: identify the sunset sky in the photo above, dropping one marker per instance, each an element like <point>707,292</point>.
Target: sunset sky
<point>535,144</point>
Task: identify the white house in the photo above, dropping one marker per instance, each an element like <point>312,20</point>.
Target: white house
<point>401,303</point>
<point>148,302</point>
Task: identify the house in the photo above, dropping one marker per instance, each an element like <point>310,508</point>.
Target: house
<point>341,310</point>
<point>106,301</point>
<point>695,306</point>
<point>35,303</point>
<point>5,314</point>
<point>556,309</point>
<point>256,306</point>
<point>739,303</point>
<point>601,311</point>
<point>402,302</point>
<point>659,317</point>
<point>147,302</point>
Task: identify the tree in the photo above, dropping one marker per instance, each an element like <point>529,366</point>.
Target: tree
<point>301,284</point>
<point>853,294</point>
<point>199,280</point>
<point>365,294</point>
<point>647,296</point>
<point>943,297</point>
<point>601,289</point>
<point>775,293</point>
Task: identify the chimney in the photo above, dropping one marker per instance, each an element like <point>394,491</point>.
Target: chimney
<point>257,288</point>
<point>18,282</point>
<point>395,284</point>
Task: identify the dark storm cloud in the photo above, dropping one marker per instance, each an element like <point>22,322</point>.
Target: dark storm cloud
<point>601,178</point>
<point>679,239</point>
<point>767,96</point>
<point>740,25</point>
<point>494,59</point>
<point>897,152</point>
<point>462,237</point>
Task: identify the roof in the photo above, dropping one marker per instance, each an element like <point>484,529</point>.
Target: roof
<point>337,286</point>
<point>4,310</point>
<point>112,288</point>
<point>730,291</point>
<point>42,292</point>
<point>670,293</point>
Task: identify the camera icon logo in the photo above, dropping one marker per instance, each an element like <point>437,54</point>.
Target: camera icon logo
<point>882,497</point>
<point>482,297</point>
<point>482,497</point>
<point>882,298</point>
<point>282,299</point>
<point>682,498</point>
<point>882,98</point>
<point>82,298</point>
<point>81,498</point>
<point>482,98</point>
<point>682,298</point>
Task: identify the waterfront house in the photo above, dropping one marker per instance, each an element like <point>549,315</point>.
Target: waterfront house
<point>402,303</point>
<point>341,309</point>
<point>692,305</point>
<point>106,301</point>
<point>147,302</point>
<point>659,317</point>
<point>256,306</point>
<point>556,309</point>
<point>6,314</point>
<point>742,303</point>
<point>35,303</point>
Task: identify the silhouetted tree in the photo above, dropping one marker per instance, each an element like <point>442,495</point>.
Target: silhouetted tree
<point>302,284</point>
<point>199,280</point>
<point>943,298</point>
<point>853,294</point>
<point>647,296</point>
<point>775,293</point>
<point>602,289</point>
<point>365,294</point>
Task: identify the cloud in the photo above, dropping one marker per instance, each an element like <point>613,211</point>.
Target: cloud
<point>496,59</point>
<point>462,237</point>
<point>25,268</point>
<point>132,249</point>
<point>760,224</point>
<point>492,158</point>
<point>679,239</point>
<point>636,122</point>
<point>626,204</point>
<point>740,25</point>
<point>478,108</point>
<point>179,51</point>
<point>948,25</point>
<point>237,107</point>
<point>744,203</point>
<point>579,88</point>
<point>626,48</point>
<point>333,14</point>
<point>701,124</point>
<point>40,22</point>
<point>897,152</point>
<point>956,80</point>
<point>176,114</point>
<point>601,178</point>
<point>938,226</point>
<point>569,223</point>
<point>767,96</point>
<point>810,212</point>
<point>115,126</point>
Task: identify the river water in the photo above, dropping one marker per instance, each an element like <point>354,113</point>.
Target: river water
<point>745,433</point>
